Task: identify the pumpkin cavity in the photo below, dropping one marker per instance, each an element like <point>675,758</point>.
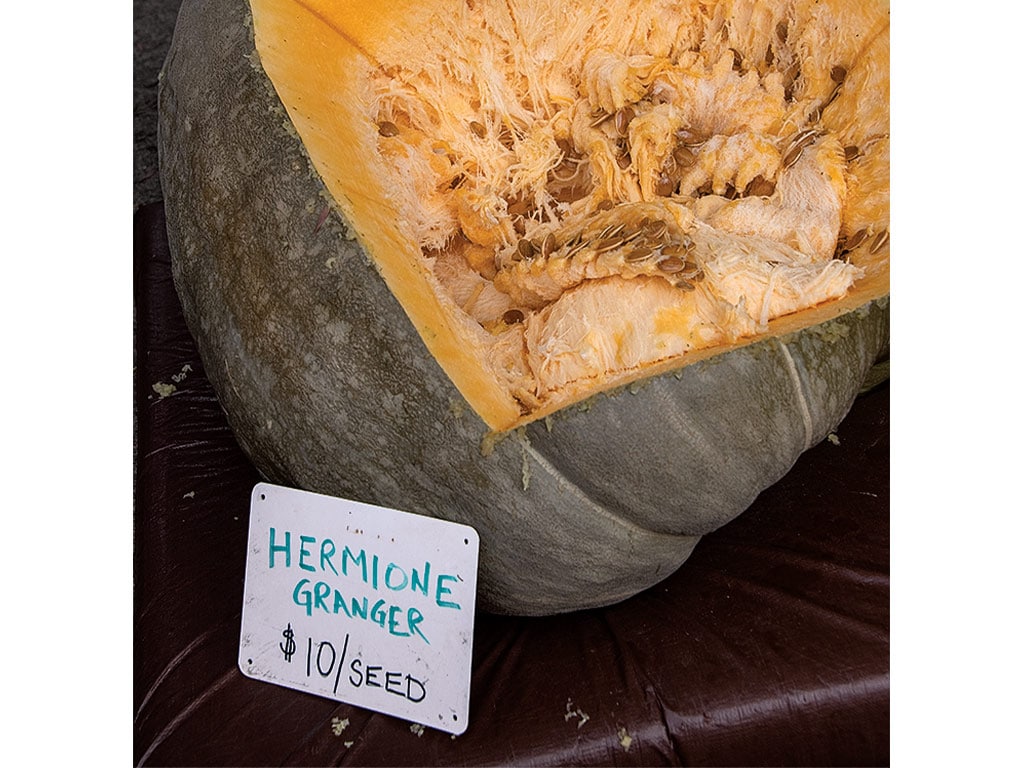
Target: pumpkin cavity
<point>589,192</point>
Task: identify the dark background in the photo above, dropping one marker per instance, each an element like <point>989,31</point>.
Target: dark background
<point>154,24</point>
<point>770,646</point>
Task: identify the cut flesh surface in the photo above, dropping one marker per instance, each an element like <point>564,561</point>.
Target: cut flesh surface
<point>568,196</point>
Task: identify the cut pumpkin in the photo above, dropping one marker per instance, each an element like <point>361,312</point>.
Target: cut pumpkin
<point>661,226</point>
<point>566,197</point>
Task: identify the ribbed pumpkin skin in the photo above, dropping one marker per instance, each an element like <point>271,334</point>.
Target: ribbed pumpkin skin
<point>328,386</point>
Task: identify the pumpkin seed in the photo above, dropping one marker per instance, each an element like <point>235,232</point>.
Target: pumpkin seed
<point>881,239</point>
<point>576,248</point>
<point>638,254</point>
<point>685,286</point>
<point>683,155</point>
<point>506,138</point>
<point>656,230</point>
<point>677,250</point>
<point>782,31</point>
<point>611,231</point>
<point>549,246</point>
<point>690,138</point>
<point>605,205</point>
<point>608,244</point>
<point>478,129</point>
<point>622,120</point>
<point>518,207</point>
<point>387,129</point>
<point>671,265</point>
<point>789,78</point>
<point>838,74</point>
<point>737,60</point>
<point>800,142</point>
<point>564,171</point>
<point>852,242</point>
<point>525,249</point>
<point>759,186</point>
<point>664,186</point>
<point>624,161</point>
<point>852,153</point>
<point>635,234</point>
<point>513,316</point>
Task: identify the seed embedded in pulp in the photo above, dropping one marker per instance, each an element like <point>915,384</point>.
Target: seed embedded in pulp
<point>513,316</point>
<point>859,237</point>
<point>759,186</point>
<point>679,250</point>
<point>639,254</point>
<point>800,142</point>
<point>879,242</point>
<point>387,129</point>
<point>622,120</point>
<point>608,244</point>
<point>671,265</point>
<point>665,186</point>
<point>683,156</point>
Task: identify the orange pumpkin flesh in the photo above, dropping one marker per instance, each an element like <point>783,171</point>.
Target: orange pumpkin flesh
<point>532,178</point>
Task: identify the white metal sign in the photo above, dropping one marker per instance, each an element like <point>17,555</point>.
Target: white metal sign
<point>361,604</point>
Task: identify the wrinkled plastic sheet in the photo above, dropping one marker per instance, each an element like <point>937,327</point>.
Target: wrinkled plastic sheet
<point>770,646</point>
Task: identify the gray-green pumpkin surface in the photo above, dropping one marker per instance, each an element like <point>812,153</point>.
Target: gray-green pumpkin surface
<point>329,385</point>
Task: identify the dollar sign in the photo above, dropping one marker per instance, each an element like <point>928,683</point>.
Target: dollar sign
<point>288,646</point>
